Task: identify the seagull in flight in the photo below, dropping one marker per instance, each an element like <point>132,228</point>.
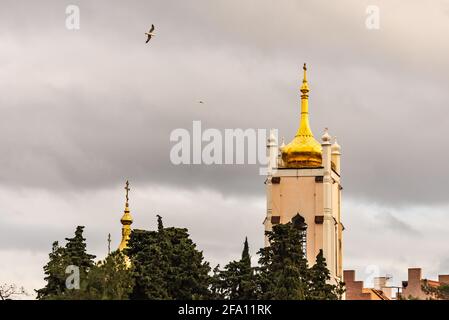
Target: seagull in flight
<point>150,33</point>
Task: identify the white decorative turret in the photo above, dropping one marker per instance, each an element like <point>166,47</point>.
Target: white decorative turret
<point>272,166</point>
<point>336,154</point>
<point>326,137</point>
<point>280,164</point>
<point>328,220</point>
<point>272,151</point>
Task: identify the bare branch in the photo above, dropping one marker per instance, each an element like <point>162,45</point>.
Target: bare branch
<point>8,291</point>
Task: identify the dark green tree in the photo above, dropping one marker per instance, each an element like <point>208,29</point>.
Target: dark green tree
<point>74,253</point>
<point>189,276</point>
<point>237,281</point>
<point>160,225</point>
<point>245,253</point>
<point>149,265</point>
<point>167,265</point>
<point>283,272</point>
<point>110,279</point>
<point>54,273</point>
<point>320,288</point>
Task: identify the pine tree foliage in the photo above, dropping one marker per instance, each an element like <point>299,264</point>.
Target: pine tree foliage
<point>75,250</point>
<point>73,254</point>
<point>320,288</point>
<point>54,273</point>
<point>167,265</point>
<point>110,279</point>
<point>283,272</point>
<point>237,281</point>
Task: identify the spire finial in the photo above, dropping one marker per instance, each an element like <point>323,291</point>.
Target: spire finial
<point>304,150</point>
<point>127,192</point>
<point>326,136</point>
<point>305,86</point>
<point>305,72</point>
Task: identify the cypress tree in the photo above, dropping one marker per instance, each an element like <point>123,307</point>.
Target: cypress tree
<point>319,281</point>
<point>160,225</point>
<point>283,272</point>
<point>245,253</point>
<point>237,281</point>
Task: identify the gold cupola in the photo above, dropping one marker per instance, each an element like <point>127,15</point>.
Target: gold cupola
<point>303,151</point>
<point>126,221</point>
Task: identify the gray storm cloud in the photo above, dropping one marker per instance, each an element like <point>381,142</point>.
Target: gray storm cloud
<point>83,109</point>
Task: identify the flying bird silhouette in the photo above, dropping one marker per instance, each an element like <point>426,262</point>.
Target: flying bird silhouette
<point>150,33</point>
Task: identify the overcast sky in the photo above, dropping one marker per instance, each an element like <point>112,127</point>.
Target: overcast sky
<point>84,110</point>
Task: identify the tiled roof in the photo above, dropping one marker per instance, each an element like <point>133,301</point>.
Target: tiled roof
<point>431,283</point>
<point>377,293</point>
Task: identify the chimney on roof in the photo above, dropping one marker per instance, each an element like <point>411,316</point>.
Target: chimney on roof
<point>443,278</point>
<point>381,283</point>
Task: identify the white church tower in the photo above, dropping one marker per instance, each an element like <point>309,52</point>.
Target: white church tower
<point>303,181</point>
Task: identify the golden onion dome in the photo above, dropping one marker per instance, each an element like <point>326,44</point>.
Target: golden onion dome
<point>126,218</point>
<point>303,151</point>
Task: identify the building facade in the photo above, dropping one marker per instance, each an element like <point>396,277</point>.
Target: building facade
<point>355,289</point>
<point>413,288</point>
<point>303,182</point>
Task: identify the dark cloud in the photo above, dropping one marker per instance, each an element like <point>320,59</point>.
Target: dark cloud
<point>390,241</point>
<point>84,109</point>
<point>389,221</point>
<point>444,265</point>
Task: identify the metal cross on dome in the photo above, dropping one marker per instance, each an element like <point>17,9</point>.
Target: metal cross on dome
<point>127,190</point>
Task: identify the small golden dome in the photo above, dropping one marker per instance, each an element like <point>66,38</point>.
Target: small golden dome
<point>303,151</point>
<point>126,218</point>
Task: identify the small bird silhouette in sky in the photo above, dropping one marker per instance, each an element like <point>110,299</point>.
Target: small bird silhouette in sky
<point>150,33</point>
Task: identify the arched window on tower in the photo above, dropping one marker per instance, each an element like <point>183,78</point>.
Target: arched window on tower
<point>300,224</point>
